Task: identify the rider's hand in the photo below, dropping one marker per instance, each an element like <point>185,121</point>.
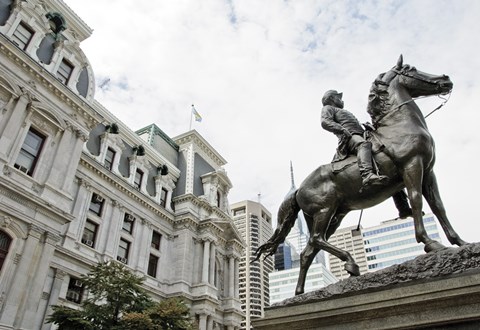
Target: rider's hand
<point>368,126</point>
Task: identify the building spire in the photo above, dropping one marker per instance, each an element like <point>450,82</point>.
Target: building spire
<point>291,175</point>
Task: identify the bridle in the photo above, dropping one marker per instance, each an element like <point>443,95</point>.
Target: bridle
<point>405,73</point>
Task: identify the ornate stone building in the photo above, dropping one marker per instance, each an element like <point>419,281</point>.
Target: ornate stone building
<point>79,187</point>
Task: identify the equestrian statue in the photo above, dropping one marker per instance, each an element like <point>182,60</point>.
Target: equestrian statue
<point>403,157</point>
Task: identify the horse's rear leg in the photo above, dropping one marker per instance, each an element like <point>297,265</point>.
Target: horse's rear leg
<point>306,259</point>
<point>326,226</point>
<point>432,195</point>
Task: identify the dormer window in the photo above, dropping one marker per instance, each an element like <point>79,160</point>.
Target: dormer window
<point>22,35</point>
<point>137,183</point>
<point>64,71</point>
<point>109,157</point>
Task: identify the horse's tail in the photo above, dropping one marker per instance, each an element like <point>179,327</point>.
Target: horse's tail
<point>287,214</point>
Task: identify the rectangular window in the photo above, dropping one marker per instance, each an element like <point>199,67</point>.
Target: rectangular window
<point>123,249</point>
<point>75,290</point>
<point>89,233</point>
<point>29,154</point>
<point>128,221</point>
<point>109,157</point>
<point>239,211</point>
<point>96,204</point>
<point>22,35</point>
<point>163,197</point>
<point>152,266</point>
<point>64,71</point>
<point>156,238</point>
<point>138,179</point>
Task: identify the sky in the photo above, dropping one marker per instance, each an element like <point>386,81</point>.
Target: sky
<point>256,72</point>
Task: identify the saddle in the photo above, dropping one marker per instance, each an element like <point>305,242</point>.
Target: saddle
<point>377,147</point>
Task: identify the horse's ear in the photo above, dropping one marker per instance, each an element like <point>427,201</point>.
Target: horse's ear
<point>399,62</point>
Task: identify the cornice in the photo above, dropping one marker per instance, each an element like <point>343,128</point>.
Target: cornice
<point>122,186</point>
<point>44,78</point>
<point>9,189</point>
<point>193,137</point>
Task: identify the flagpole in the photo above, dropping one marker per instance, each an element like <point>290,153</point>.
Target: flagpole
<point>191,116</point>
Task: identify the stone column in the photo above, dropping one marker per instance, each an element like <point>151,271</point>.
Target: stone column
<point>206,257</point>
<point>76,154</point>
<point>17,296</point>
<point>211,278</point>
<point>38,281</point>
<point>15,121</point>
<point>56,176</point>
<point>210,322</point>
<point>231,277</point>
<point>202,324</point>
<point>53,298</point>
<point>108,236</point>
<point>236,275</point>
<point>144,237</point>
<point>82,201</point>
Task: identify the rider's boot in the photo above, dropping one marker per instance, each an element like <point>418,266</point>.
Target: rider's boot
<point>364,159</point>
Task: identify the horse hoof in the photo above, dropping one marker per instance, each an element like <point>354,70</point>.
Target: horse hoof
<point>298,291</point>
<point>352,268</point>
<point>433,246</point>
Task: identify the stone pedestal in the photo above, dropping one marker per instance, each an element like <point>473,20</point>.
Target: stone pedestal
<point>434,291</point>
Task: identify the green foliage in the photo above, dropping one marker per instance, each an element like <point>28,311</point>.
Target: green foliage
<point>69,319</point>
<point>117,301</point>
<point>170,314</point>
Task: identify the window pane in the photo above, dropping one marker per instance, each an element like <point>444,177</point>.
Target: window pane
<point>163,197</point>
<point>128,223</point>
<point>22,36</point>
<point>138,179</point>
<point>152,265</point>
<point>89,233</point>
<point>64,71</point>
<point>123,248</point>
<point>29,152</point>
<point>75,290</point>
<point>156,237</point>
<point>109,158</point>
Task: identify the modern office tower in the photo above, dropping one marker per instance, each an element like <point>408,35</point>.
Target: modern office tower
<point>393,242</point>
<point>373,248</point>
<point>284,282</point>
<point>80,187</point>
<point>254,222</point>
<point>351,240</point>
<point>283,257</point>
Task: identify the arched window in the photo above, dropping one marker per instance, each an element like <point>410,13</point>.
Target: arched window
<point>5,241</point>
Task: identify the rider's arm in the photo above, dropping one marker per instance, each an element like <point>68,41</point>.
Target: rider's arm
<point>328,121</point>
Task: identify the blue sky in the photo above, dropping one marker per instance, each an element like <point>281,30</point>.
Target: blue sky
<point>256,72</point>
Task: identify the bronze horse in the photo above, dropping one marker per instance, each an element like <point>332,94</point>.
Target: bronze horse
<point>405,152</point>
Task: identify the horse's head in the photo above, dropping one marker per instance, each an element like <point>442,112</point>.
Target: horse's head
<point>419,83</point>
<point>385,95</point>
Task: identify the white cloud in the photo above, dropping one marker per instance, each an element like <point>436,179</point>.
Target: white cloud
<point>256,71</point>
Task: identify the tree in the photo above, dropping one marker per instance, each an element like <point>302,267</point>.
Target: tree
<point>116,300</point>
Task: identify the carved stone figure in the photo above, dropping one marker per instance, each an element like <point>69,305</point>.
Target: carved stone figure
<point>406,155</point>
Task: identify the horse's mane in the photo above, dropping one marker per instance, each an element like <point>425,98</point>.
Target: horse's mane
<point>378,99</point>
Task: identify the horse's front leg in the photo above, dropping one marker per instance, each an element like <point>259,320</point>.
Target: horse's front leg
<point>432,195</point>
<point>413,178</point>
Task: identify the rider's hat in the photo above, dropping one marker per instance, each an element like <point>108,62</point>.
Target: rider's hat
<point>328,94</point>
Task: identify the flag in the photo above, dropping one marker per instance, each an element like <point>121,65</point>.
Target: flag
<point>196,114</point>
